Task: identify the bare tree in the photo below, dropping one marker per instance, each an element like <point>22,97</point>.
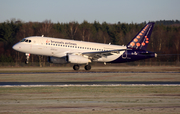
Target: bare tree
<point>73,27</point>
<point>85,30</point>
<point>46,28</point>
<point>177,44</point>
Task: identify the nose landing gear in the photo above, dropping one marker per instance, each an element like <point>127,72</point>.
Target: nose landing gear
<point>27,58</point>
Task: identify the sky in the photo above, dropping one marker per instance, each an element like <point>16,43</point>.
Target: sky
<point>110,11</point>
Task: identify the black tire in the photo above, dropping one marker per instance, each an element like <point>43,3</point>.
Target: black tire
<point>87,67</point>
<point>76,67</point>
<point>26,61</point>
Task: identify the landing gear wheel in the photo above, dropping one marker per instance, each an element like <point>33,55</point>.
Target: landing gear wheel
<point>87,67</point>
<point>26,61</point>
<point>76,67</point>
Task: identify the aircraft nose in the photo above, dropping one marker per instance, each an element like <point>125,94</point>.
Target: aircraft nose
<point>15,47</point>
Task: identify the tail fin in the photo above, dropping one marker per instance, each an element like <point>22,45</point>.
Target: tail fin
<point>141,40</point>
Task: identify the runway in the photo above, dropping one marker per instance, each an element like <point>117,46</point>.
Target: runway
<point>108,76</point>
<point>79,72</point>
<point>109,83</point>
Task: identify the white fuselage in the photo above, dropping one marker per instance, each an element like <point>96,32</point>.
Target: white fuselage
<point>56,47</point>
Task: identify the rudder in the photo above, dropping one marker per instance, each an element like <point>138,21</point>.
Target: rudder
<point>141,40</point>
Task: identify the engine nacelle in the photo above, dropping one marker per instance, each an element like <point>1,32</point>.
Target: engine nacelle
<point>77,59</point>
<point>57,60</point>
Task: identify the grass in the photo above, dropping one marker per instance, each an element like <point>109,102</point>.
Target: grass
<point>101,99</point>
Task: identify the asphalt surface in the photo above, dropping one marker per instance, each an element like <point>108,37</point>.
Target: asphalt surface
<point>91,83</point>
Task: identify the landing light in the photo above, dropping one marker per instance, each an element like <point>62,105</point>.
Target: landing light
<point>155,55</point>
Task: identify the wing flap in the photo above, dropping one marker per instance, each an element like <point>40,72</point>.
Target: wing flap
<point>99,54</point>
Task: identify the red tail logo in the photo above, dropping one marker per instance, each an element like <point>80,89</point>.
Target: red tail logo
<point>47,41</point>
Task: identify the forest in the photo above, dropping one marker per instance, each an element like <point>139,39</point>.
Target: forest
<point>165,38</point>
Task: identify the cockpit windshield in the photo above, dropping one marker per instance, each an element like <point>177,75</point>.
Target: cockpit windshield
<point>22,40</point>
<point>26,40</point>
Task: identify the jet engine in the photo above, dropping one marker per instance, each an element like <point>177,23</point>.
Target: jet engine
<point>57,60</point>
<point>77,59</point>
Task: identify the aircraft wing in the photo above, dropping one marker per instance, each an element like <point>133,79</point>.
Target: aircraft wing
<point>99,54</point>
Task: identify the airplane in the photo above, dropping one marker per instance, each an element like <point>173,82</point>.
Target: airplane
<point>76,52</point>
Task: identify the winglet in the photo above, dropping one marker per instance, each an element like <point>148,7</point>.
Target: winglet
<point>141,40</point>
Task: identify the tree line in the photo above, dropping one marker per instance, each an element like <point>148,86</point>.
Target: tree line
<point>165,38</point>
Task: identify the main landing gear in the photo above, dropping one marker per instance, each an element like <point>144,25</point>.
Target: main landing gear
<point>87,67</point>
<point>76,67</point>
<point>27,58</point>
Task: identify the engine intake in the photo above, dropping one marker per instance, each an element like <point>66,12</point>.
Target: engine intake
<point>57,60</point>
